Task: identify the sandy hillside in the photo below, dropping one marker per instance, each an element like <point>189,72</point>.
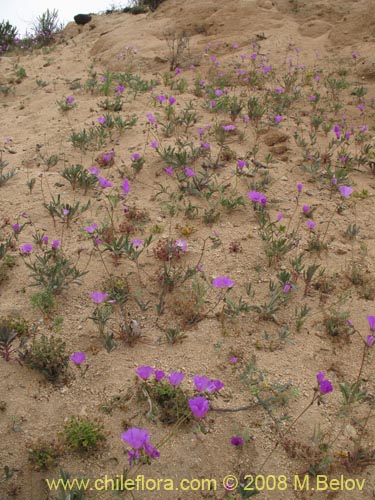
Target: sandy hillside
<point>265,95</point>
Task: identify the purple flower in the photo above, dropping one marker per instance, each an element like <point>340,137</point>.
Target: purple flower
<point>104,183</point>
<point>27,248</point>
<point>227,128</point>
<point>91,229</point>
<point>337,131</point>
<point>233,360</point>
<point>257,197</point>
<point>364,128</point>
<point>135,437</point>
<point>45,239</point>
<point>241,164</point>
<point>159,374</point>
<point>334,180</point>
<point>325,386</point>
<point>137,243</point>
<point>161,98</point>
<point>172,100</point>
<point>69,100</point>
<point>306,209</point>
<point>371,322</point>
<point>299,187</point>
<point>181,245</point>
<point>199,406</point>
<point>175,378</point>
<point>16,227</point>
<point>151,118</point>
<point>287,288</point>
<point>98,297</point>
<point>222,282</point>
<point>218,93</point>
<point>205,145</point>
<point>279,216</point>
<point>215,385</point>
<point>236,441</point>
<point>126,186</point>
<point>120,89</point>
<point>311,224</point>
<point>345,191</point>
<point>101,120</point>
<point>55,244</point>
<point>189,172</point>
<point>135,156</point>
<point>154,144</point>
<point>78,357</point>
<point>370,339</point>
<point>201,383</point>
<point>94,170</point>
<point>169,170</point>
<point>65,211</point>
<point>151,451</point>
<point>144,372</point>
<point>178,71</point>
<point>278,118</point>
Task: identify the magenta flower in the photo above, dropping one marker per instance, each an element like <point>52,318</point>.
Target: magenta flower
<point>120,89</point>
<point>201,383</point>
<point>199,406</point>
<point>371,322</point>
<point>137,243</point>
<point>172,100</point>
<point>299,187</point>
<point>306,209</point>
<point>215,385</point>
<point>161,98</point>
<point>181,245</point>
<point>241,164</point>
<point>222,282</point>
<point>135,157</point>
<point>325,386</point>
<point>151,118</point>
<point>45,239</point>
<point>159,374</point>
<point>257,197</point>
<point>94,170</point>
<point>154,144</point>
<point>151,451</point>
<point>311,224</point>
<point>16,227</point>
<point>279,217</point>
<point>91,229</point>
<point>178,71</point>
<point>26,249</point>
<point>278,118</point>
<point>337,131</point>
<point>78,358</point>
<point>144,372</point>
<point>55,244</point>
<point>370,339</point>
<point>98,297</point>
<point>175,378</point>
<point>345,191</point>
<point>135,437</point>
<point>101,120</point>
<point>287,288</point>
<point>126,186</point>
<point>169,170</point>
<point>65,211</point>
<point>233,359</point>
<point>104,183</point>
<point>227,128</point>
<point>236,441</point>
<point>218,93</point>
<point>189,172</point>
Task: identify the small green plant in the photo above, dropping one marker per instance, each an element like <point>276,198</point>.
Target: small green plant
<point>7,336</point>
<point>47,355</point>
<point>4,178</point>
<point>43,455</point>
<point>79,177</point>
<point>44,301</point>
<point>83,435</point>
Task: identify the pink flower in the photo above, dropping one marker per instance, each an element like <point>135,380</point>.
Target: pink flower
<point>126,186</point>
